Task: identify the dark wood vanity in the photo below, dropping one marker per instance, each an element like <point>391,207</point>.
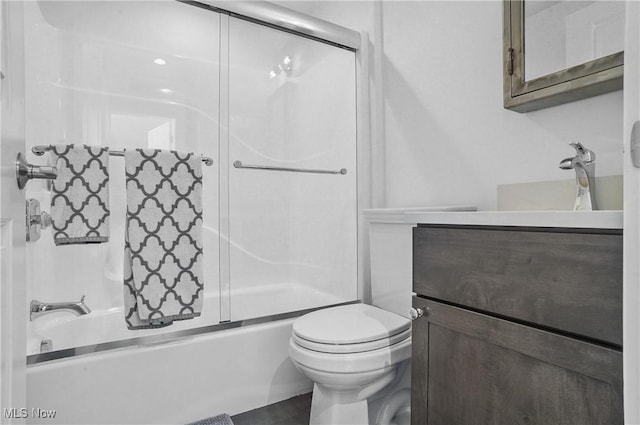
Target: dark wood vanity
<point>521,325</point>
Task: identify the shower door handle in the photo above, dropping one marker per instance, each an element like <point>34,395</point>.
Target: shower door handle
<point>239,164</point>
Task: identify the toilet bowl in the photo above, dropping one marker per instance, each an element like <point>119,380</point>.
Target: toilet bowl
<point>358,357</point>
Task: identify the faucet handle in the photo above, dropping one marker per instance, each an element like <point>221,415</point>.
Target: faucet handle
<point>35,220</point>
<point>44,219</point>
<point>578,147</point>
<point>586,155</point>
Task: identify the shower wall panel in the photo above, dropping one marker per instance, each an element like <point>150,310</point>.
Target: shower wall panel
<point>124,75</point>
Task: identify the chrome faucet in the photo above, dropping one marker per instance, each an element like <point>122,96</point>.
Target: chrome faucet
<point>39,308</point>
<point>584,163</point>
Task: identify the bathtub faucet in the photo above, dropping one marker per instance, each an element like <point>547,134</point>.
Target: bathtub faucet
<point>39,308</point>
<point>584,164</point>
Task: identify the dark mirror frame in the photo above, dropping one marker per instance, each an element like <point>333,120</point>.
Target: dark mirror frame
<point>592,78</point>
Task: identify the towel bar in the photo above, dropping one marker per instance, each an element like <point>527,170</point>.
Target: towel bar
<point>239,164</point>
<point>40,150</point>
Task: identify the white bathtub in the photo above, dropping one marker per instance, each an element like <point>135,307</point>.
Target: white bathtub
<point>65,330</point>
<point>177,382</point>
<point>105,326</point>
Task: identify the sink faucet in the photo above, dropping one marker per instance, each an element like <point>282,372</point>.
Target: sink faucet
<point>584,163</point>
<point>39,308</point>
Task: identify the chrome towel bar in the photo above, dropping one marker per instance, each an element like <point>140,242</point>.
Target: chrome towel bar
<point>239,164</point>
<point>40,150</point>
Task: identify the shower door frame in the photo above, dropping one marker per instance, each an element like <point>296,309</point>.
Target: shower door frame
<point>300,24</point>
<point>277,17</point>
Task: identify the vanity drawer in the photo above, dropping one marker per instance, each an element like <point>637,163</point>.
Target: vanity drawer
<point>565,280</point>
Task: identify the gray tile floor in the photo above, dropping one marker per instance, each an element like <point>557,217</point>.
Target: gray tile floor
<point>294,411</point>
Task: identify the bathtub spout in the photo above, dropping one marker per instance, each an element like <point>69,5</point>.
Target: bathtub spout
<point>39,308</point>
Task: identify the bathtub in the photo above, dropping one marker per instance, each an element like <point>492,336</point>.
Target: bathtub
<point>65,331</point>
<point>105,328</point>
<point>101,372</point>
<point>172,381</point>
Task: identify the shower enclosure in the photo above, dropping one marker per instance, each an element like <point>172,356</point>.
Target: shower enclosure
<point>252,98</point>
<point>275,98</point>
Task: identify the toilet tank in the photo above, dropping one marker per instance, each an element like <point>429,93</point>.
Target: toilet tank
<point>390,255</point>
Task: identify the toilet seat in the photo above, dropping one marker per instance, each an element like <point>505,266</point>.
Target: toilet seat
<point>352,328</point>
<point>358,347</point>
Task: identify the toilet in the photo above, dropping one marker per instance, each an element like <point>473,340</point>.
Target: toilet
<point>359,355</point>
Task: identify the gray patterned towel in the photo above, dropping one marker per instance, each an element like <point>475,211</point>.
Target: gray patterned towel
<point>80,194</point>
<point>163,237</point>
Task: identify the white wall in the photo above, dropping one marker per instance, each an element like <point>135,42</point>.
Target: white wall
<point>447,138</point>
<point>631,274</point>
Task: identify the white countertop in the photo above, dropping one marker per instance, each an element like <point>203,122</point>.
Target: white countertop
<point>567,219</point>
<point>398,215</point>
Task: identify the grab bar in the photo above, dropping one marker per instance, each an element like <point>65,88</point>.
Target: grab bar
<point>239,164</point>
<point>40,150</point>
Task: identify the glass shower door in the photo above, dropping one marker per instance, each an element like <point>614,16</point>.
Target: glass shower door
<point>124,75</point>
<point>292,234</point>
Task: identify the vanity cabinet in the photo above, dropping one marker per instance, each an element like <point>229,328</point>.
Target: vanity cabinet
<point>520,325</point>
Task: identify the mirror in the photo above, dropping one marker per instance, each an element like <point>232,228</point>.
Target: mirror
<point>560,51</point>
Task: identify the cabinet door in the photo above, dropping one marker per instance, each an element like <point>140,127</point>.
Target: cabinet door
<point>470,368</point>
<point>567,281</point>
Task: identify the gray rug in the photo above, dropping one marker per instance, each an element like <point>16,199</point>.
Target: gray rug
<point>223,419</point>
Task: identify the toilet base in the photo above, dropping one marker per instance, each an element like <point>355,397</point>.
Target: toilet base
<point>331,407</point>
<point>385,402</point>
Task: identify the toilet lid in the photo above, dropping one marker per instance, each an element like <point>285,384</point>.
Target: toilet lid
<point>350,324</point>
